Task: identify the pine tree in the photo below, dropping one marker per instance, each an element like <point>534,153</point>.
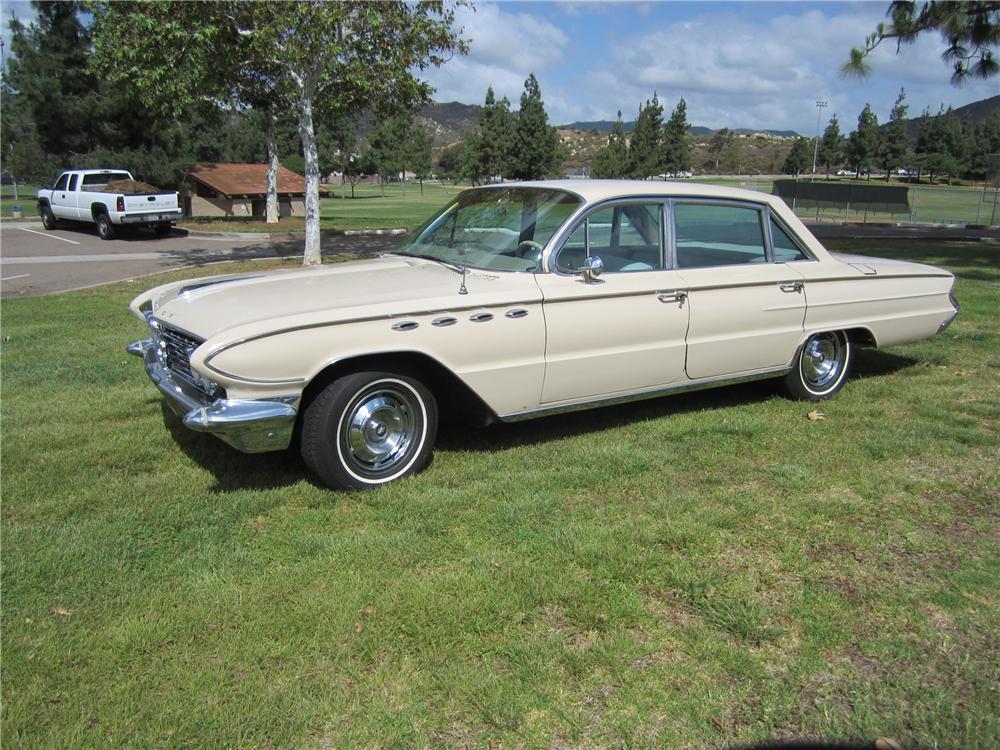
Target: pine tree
<point>496,131</point>
<point>676,153</point>
<point>537,152</point>
<point>895,144</point>
<point>831,146</point>
<point>388,147</point>
<point>612,160</point>
<point>644,149</point>
<point>862,146</point>
<point>418,150</point>
<point>798,158</point>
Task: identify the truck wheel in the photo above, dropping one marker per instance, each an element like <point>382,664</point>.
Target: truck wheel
<point>105,229</point>
<point>162,230</point>
<point>369,428</point>
<point>49,220</point>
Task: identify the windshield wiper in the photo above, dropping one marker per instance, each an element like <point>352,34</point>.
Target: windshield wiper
<point>424,256</point>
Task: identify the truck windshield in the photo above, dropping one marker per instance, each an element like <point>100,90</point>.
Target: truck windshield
<point>496,228</point>
<point>103,178</point>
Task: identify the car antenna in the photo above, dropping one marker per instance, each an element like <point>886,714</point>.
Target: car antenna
<point>465,255</point>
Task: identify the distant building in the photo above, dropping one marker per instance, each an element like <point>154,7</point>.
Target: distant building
<point>239,190</point>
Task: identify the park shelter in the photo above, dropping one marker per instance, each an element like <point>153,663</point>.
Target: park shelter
<point>239,190</point>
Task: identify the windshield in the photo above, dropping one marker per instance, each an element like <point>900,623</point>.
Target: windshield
<point>497,228</point>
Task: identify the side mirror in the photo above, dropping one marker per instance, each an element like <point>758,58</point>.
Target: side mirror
<point>591,269</point>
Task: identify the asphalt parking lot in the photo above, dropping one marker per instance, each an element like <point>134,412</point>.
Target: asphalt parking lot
<point>36,261</point>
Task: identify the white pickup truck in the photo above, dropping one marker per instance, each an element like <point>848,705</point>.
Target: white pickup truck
<point>81,195</point>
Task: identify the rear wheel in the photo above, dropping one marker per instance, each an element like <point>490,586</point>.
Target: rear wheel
<point>49,220</point>
<point>105,229</point>
<point>821,367</point>
<point>369,428</point>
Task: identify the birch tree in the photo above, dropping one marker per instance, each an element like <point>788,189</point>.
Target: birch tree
<point>358,54</point>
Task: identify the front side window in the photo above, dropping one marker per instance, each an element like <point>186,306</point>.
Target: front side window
<point>501,229</point>
<point>718,235</point>
<point>61,182</point>
<point>784,247</point>
<point>626,238</point>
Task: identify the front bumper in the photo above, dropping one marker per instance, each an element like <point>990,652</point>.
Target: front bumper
<point>249,425</point>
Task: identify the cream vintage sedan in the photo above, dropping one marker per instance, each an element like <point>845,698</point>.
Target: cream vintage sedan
<point>521,300</point>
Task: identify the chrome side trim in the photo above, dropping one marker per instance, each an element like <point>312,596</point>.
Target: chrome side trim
<point>329,323</point>
<point>622,398</point>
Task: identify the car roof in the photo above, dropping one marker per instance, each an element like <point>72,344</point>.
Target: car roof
<point>598,190</point>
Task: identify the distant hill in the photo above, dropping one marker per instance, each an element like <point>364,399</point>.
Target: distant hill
<point>604,126</point>
<point>974,112</point>
<point>448,122</point>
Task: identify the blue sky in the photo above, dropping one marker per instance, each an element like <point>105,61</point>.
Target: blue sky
<point>753,65</point>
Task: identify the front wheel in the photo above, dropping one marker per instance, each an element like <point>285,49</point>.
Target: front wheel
<point>821,367</point>
<point>49,220</point>
<point>105,229</point>
<point>369,428</point>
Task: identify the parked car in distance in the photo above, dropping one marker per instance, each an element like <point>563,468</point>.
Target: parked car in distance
<point>81,195</point>
<point>522,300</point>
<point>683,175</point>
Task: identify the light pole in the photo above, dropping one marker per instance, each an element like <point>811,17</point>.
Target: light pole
<point>819,113</point>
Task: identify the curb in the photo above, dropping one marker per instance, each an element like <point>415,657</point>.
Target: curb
<point>199,234</point>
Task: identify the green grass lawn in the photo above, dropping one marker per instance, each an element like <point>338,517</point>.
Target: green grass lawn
<point>696,571</point>
<point>25,199</point>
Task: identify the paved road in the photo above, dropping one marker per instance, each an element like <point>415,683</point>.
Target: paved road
<point>36,261</point>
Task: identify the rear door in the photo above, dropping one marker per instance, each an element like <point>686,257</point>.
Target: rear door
<point>747,310</point>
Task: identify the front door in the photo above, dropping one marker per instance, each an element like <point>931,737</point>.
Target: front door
<point>624,331</point>
<point>63,202</point>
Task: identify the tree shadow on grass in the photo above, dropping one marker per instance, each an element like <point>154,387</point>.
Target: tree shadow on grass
<point>233,470</point>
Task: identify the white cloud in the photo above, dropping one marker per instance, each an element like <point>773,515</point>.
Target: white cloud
<point>737,70</point>
<point>504,49</point>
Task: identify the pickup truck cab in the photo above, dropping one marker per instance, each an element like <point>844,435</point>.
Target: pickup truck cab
<point>81,195</point>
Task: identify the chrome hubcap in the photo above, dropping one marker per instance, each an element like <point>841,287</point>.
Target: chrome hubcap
<point>821,360</point>
<point>378,431</point>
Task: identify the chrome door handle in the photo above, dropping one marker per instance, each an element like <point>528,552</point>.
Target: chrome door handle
<point>790,286</point>
<point>675,295</point>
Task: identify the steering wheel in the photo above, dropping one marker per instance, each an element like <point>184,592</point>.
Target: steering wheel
<point>529,250</point>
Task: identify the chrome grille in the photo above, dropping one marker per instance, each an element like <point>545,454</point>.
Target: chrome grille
<point>177,351</point>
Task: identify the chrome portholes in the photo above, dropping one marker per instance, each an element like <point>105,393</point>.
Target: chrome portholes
<point>378,430</point>
<point>481,317</point>
<point>406,325</point>
<point>822,360</point>
<point>444,321</point>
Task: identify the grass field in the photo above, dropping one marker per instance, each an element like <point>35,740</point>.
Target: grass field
<point>368,210</point>
<point>696,571</point>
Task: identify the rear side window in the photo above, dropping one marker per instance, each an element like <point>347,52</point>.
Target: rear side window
<point>718,235</point>
<point>784,246</point>
<point>72,182</point>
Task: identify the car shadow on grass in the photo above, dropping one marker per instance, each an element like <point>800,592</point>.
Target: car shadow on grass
<point>234,471</point>
<point>867,363</point>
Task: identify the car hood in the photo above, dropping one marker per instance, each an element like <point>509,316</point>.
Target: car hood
<point>382,287</point>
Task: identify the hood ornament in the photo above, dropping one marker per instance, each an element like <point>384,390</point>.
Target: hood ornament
<point>465,256</point>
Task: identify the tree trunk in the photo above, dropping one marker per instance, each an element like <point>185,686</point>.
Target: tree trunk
<point>311,255</point>
<point>343,184</point>
<point>421,186</point>
<point>272,168</point>
<point>381,185</point>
